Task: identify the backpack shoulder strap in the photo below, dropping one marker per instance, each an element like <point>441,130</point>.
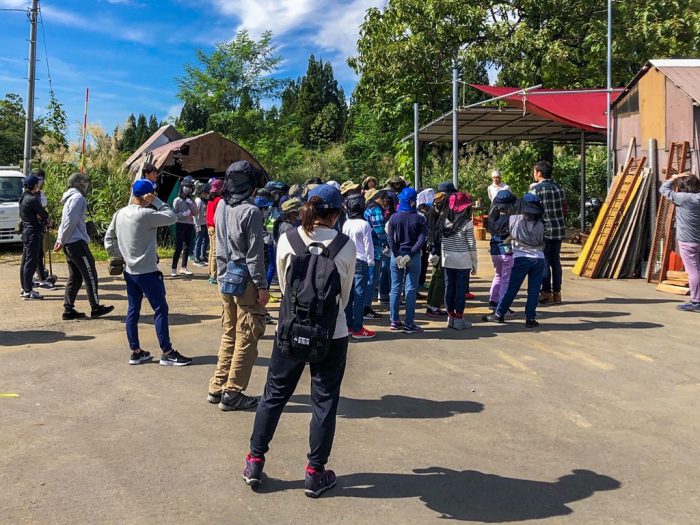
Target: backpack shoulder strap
<point>298,244</point>
<point>337,244</point>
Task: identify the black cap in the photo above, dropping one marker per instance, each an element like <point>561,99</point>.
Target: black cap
<point>148,168</point>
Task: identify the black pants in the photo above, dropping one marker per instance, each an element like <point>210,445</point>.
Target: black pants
<point>184,235</point>
<point>423,268</point>
<point>552,266</point>
<point>282,378</point>
<point>41,267</point>
<point>81,268</point>
<point>31,255</point>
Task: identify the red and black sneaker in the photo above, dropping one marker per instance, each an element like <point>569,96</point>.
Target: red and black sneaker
<point>252,473</point>
<point>316,482</point>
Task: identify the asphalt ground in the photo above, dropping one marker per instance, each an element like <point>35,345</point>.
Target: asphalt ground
<point>592,418</point>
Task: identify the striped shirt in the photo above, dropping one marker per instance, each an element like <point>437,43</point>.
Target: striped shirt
<point>459,250</point>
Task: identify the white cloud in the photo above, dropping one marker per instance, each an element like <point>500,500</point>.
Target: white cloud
<point>101,26</point>
<point>14,4</point>
<point>332,25</point>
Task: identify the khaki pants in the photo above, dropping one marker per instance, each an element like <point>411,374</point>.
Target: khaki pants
<point>212,253</point>
<point>243,320</point>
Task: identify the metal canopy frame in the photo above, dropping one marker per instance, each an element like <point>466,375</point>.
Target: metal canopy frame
<point>483,124</point>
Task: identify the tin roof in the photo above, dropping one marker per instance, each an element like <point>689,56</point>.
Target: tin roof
<point>684,73</point>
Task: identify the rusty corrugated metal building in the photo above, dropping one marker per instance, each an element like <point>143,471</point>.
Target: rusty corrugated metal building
<point>662,102</point>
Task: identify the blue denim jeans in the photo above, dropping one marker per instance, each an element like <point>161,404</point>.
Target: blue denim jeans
<point>411,273</point>
<point>271,262</point>
<point>455,289</point>
<point>551,280</point>
<point>201,243</point>
<point>523,267</point>
<point>151,285</point>
<point>373,282</point>
<point>355,308</point>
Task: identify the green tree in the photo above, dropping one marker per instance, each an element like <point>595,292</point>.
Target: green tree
<point>12,123</point>
<point>153,125</point>
<point>236,69</point>
<point>193,119</point>
<point>320,107</point>
<point>141,131</point>
<point>129,139</point>
<point>56,122</point>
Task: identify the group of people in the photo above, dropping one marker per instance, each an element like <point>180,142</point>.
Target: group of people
<point>72,239</point>
<point>335,250</point>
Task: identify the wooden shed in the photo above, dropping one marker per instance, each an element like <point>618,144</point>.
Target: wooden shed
<point>662,103</point>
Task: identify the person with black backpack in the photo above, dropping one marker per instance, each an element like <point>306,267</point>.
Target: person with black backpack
<point>316,266</point>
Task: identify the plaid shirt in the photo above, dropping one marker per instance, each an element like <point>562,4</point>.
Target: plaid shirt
<point>374,215</point>
<point>553,201</point>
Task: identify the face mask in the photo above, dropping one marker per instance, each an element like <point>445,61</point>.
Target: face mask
<point>186,190</point>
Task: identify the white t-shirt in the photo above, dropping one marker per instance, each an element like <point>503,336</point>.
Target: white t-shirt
<point>344,261</point>
<point>360,232</point>
<point>493,189</point>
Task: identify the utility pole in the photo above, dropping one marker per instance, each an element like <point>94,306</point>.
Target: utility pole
<point>29,125</point>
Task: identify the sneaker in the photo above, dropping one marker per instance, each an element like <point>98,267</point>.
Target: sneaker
<point>493,318</point>
<point>185,271</point>
<point>470,296</point>
<point>174,358</point>
<point>275,299</point>
<point>210,281</point>
<point>364,334</point>
<point>140,357</point>
<point>252,473</point>
<point>396,326</point>
<point>546,298</point>
<point>32,296</point>
<point>100,311</point>
<point>690,306</point>
<point>434,312</point>
<point>214,399</point>
<point>412,329</point>
<point>237,401</point>
<point>531,323</point>
<point>450,321</point>
<point>22,293</point>
<point>460,323</point>
<point>173,273</point>
<point>371,314</point>
<point>510,313</point>
<point>72,314</point>
<point>199,263</point>
<point>316,482</point>
<point>269,319</point>
<point>493,305</point>
<point>46,285</point>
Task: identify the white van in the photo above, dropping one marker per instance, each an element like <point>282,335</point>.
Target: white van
<point>10,190</point>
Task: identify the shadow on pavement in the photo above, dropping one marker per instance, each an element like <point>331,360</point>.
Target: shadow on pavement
<point>213,359</point>
<point>181,319</point>
<point>391,407</point>
<point>31,337</point>
<point>623,300</point>
<point>469,495</point>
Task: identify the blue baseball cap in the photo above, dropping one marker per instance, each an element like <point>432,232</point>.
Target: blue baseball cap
<point>329,195</point>
<point>30,181</point>
<point>141,187</point>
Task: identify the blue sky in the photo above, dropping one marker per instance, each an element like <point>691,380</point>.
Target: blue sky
<point>128,52</point>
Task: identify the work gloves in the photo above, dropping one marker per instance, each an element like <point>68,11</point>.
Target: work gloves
<point>434,259</point>
<point>402,261</point>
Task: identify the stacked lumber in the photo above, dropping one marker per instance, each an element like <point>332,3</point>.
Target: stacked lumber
<point>616,245</point>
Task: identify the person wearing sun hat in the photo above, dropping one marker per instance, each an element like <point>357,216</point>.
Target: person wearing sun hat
<point>459,258</point>
<point>406,233</point>
<point>132,236</point>
<point>527,233</point>
<point>348,187</point>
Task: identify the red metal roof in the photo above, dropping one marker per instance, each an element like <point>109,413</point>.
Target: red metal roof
<point>583,109</point>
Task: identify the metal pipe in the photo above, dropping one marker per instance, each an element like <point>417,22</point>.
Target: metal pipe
<point>653,194</point>
<point>455,118</point>
<point>416,148</point>
<point>583,181</point>
<point>494,99</point>
<point>29,123</point>
<point>608,156</point>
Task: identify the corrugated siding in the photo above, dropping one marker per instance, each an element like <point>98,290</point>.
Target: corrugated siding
<point>624,129</point>
<point>686,78</point>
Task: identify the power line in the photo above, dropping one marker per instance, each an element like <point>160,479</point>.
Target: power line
<point>46,52</point>
<point>16,10</point>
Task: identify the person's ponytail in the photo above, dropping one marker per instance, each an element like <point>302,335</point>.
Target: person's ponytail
<point>309,214</point>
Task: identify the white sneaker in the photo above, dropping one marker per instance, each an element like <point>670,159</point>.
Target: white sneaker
<point>29,296</point>
<point>185,271</point>
<point>461,324</point>
<point>173,273</point>
<point>450,322</point>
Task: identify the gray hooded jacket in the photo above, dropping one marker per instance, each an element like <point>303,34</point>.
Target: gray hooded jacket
<point>72,228</point>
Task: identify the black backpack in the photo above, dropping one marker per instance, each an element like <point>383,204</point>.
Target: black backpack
<point>311,302</point>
